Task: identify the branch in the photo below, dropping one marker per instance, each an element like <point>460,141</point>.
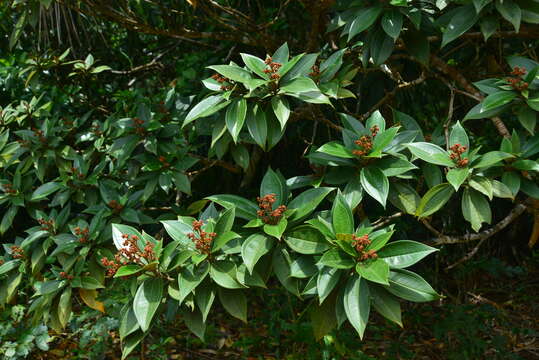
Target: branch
<point>483,235</point>
<point>392,93</point>
<point>453,73</point>
<point>225,165</point>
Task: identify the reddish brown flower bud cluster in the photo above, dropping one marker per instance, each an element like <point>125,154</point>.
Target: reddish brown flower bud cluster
<point>456,155</point>
<point>82,234</point>
<point>139,129</point>
<point>130,253</point>
<point>40,135</point>
<point>23,143</point>
<point>365,142</point>
<point>8,189</point>
<point>518,71</point>
<point>360,243</point>
<point>517,82</point>
<point>266,212</point>
<point>17,252</point>
<point>272,68</point>
<point>64,275</point>
<point>222,80</point>
<point>202,239</point>
<point>115,206</point>
<point>1,262</point>
<point>96,130</point>
<point>46,225</point>
<point>163,161</point>
<point>68,123</point>
<point>77,173</point>
<point>315,71</point>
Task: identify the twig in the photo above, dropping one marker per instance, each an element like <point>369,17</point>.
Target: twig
<point>386,220</point>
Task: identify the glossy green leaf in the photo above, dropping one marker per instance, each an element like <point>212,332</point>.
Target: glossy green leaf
<point>430,153</point>
<point>410,286</point>
<point>341,215</point>
<point>403,253</point>
<point>235,117</point>
<point>234,302</point>
<point>374,270</point>
<point>375,183</point>
<point>475,208</point>
<point>147,300</point>
<point>434,199</point>
<point>357,303</point>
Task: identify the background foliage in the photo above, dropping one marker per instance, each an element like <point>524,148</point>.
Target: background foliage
<point>355,125</point>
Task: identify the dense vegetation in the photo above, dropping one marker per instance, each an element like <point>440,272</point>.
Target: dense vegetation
<point>301,166</point>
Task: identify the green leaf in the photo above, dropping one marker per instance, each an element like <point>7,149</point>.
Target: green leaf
<point>404,197</point>
<point>327,279</point>
<point>276,230</point>
<point>382,140</point>
<point>178,232</point>
<point>306,239</point>
<point>190,277</point>
<point>489,25</point>
<point>528,119</point>
<point>364,18</point>
<point>376,271</point>
<point>481,184</point>
<point>204,298</point>
<point>323,317</point>
<point>306,202</point>
<point>281,54</point>
<point>457,176</point>
<point>255,64</point>
<point>491,158</point>
<point>497,99</point>
<point>379,239</point>
<point>475,208</point>
<point>410,286</point>
<point>281,268</point>
<point>233,72</point>
<point>194,322</point>
<point>222,239</point>
<point>274,183</point>
<point>386,304</point>
<point>463,19</point>
<point>336,258</point>
<point>434,199</point>
<point>281,108</point>
<point>477,112</point>
<point>526,165</point>
<point>375,183</point>
<point>512,180</point>
<point>234,302</point>
<point>510,12</point>
<point>357,303</point>
<point>341,216</point>
<point>206,107</point>
<point>430,153</point>
<point>381,46</point>
<point>458,136</point>
<point>235,117</point>
<point>9,265</point>
<point>127,270</point>
<point>224,274</point>
<point>128,323</point>
<point>45,190</point>
<point>254,247</point>
<point>335,148</point>
<point>225,221</point>
<point>7,219</point>
<point>147,300</point>
<point>500,190</point>
<point>299,85</point>
<point>403,253</point>
<point>392,23</point>
<point>245,209</point>
<point>257,126</point>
